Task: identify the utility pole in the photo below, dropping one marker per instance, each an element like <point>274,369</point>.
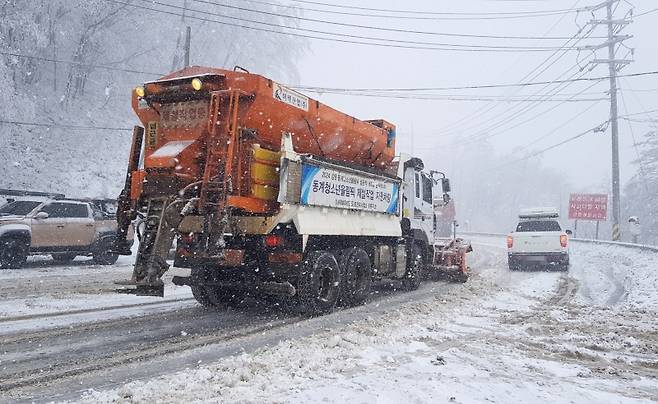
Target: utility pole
<point>175,65</point>
<point>614,125</point>
<point>614,65</point>
<point>188,35</point>
<point>54,46</point>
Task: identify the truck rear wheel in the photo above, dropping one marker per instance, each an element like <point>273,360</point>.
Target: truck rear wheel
<point>13,252</point>
<point>318,285</point>
<point>415,266</point>
<point>200,294</point>
<point>356,276</point>
<point>212,295</point>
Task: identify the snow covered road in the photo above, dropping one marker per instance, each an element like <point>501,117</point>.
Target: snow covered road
<point>587,336</point>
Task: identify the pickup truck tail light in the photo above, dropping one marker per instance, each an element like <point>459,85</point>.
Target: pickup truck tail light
<point>563,240</point>
<point>510,241</point>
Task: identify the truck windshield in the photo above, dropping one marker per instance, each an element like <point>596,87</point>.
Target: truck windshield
<point>538,225</point>
<point>20,208</point>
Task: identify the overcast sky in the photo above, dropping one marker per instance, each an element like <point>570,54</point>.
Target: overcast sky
<point>431,123</point>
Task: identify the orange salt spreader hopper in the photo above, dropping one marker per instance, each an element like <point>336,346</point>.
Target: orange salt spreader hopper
<point>209,126</point>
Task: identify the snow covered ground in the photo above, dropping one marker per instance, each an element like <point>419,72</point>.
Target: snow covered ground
<point>46,295</point>
<point>587,336</point>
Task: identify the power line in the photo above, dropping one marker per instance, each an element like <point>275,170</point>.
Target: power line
<point>471,87</point>
<point>462,98</point>
<point>646,12</point>
<point>342,90</point>
<point>598,128</point>
<point>483,134</point>
<point>532,75</point>
<point>567,122</point>
<point>635,146</point>
<point>385,42</point>
<point>513,113</point>
<point>520,13</point>
<point>490,130</point>
<point>639,113</point>
<point>81,64</point>
<point>371,27</point>
<point>420,15</point>
<point>634,95</point>
<point>59,125</point>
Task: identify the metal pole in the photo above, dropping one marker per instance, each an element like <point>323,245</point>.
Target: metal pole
<point>575,228</point>
<point>597,230</point>
<point>188,34</point>
<point>612,68</point>
<point>54,44</point>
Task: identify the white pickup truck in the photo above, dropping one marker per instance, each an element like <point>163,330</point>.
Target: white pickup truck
<point>538,241</point>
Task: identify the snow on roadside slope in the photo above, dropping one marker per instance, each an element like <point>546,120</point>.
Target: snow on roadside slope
<point>460,347</point>
<point>629,277</point>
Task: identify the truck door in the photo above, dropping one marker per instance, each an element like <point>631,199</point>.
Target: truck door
<point>409,194</point>
<point>425,206</point>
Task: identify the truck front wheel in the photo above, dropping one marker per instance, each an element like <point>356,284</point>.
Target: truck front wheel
<point>415,266</point>
<point>356,276</point>
<point>13,252</point>
<point>318,285</point>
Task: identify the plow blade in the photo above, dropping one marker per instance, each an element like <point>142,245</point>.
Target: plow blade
<point>140,289</point>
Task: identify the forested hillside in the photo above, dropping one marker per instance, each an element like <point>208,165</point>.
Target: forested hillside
<point>74,62</point>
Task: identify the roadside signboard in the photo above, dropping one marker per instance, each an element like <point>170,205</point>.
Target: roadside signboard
<point>588,207</point>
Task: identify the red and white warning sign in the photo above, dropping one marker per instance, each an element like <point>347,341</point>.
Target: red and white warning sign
<point>588,206</point>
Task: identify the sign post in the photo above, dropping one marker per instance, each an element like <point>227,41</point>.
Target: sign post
<point>588,207</point>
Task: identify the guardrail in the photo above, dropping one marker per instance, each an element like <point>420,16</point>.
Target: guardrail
<point>644,247</point>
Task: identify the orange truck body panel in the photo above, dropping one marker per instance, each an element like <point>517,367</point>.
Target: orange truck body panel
<point>178,134</point>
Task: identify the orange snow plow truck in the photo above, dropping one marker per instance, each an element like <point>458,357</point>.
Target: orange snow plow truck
<point>269,192</point>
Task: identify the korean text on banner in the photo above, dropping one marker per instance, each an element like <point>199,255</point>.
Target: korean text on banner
<point>328,187</point>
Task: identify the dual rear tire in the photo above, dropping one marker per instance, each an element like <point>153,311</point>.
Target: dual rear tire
<point>322,283</point>
<point>318,284</point>
<point>357,276</point>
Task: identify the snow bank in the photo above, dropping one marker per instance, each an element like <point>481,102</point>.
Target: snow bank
<point>616,276</point>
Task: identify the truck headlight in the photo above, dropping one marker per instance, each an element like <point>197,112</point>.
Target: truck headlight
<point>139,91</point>
<point>197,84</point>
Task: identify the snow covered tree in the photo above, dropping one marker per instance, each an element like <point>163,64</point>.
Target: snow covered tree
<point>76,61</point>
<point>641,192</point>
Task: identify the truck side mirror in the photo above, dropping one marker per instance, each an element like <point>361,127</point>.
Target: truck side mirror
<point>445,184</point>
<point>446,199</point>
<point>41,216</point>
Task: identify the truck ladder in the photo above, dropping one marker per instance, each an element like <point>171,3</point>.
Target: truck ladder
<point>217,181</point>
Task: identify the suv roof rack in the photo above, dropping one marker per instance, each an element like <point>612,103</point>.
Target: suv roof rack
<point>536,213</point>
<point>21,192</point>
